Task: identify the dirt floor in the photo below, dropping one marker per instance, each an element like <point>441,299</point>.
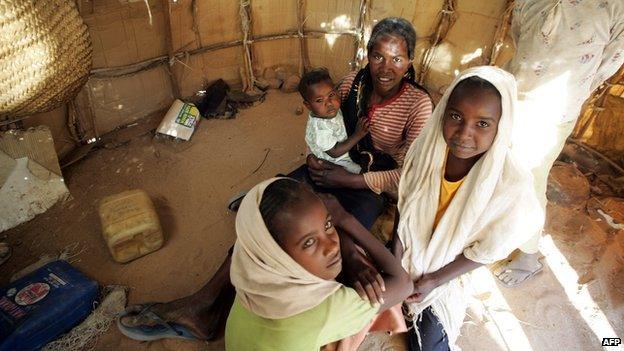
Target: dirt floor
<point>572,305</point>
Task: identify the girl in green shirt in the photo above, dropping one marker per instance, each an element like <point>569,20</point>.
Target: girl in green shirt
<point>284,265</point>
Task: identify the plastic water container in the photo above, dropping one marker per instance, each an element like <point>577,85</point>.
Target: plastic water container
<point>130,225</point>
<point>39,307</point>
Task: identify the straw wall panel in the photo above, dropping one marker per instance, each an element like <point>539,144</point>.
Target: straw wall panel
<point>276,52</point>
<point>122,35</point>
<point>332,15</point>
<point>182,35</point>
<point>273,16</point>
<point>217,21</point>
<point>333,52</point>
<point>200,69</point>
<point>405,9</point>
<point>122,100</point>
<point>469,42</point>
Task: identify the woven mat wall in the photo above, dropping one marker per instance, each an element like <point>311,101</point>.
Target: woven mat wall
<point>45,55</point>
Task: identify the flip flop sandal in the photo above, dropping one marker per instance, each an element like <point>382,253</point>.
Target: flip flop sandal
<point>235,201</point>
<point>5,252</point>
<point>160,330</point>
<point>530,274</point>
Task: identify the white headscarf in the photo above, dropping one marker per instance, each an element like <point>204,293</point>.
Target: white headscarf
<point>493,212</point>
<point>268,281</point>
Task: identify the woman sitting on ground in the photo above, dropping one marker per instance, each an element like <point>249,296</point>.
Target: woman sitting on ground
<point>386,94</point>
<point>464,201</point>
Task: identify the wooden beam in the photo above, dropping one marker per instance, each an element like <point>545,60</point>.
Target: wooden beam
<point>360,43</point>
<point>446,20</point>
<point>596,104</point>
<point>120,71</point>
<point>303,43</point>
<point>245,15</point>
<point>501,32</point>
<point>169,45</point>
<point>194,10</point>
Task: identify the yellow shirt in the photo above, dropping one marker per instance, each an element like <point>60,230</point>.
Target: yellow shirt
<point>447,192</point>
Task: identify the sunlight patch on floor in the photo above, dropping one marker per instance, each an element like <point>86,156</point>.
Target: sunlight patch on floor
<point>578,295</point>
<point>497,316</point>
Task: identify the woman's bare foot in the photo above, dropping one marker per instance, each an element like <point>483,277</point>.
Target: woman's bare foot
<point>202,312</point>
<point>178,311</point>
<point>520,268</point>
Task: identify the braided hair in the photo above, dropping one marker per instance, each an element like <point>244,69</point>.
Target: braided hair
<point>394,26</point>
<point>278,197</point>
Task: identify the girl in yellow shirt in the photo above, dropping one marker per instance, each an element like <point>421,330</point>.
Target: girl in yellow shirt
<point>464,201</point>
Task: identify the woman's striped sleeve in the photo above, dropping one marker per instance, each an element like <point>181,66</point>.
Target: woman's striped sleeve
<point>383,181</point>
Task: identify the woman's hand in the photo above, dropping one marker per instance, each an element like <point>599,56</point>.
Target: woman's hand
<point>422,288</point>
<point>327,174</point>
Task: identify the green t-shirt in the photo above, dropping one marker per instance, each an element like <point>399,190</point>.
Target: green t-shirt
<point>341,315</point>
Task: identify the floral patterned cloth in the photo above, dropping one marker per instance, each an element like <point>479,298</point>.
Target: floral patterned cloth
<point>564,50</point>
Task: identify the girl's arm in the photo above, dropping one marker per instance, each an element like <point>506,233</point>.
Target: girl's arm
<point>358,272</point>
<point>430,281</point>
<point>397,282</point>
<point>397,245</point>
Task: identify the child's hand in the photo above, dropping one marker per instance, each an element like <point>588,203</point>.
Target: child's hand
<point>362,127</point>
<point>422,288</point>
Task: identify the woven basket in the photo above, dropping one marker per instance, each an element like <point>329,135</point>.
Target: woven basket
<point>45,55</point>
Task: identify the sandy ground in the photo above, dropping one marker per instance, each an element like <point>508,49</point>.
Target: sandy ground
<point>190,183</point>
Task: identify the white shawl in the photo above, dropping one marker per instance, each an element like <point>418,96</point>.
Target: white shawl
<point>268,281</point>
<point>493,212</point>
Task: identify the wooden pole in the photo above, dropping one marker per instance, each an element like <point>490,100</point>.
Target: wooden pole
<point>120,71</point>
<point>169,45</point>
<point>248,75</point>
<point>595,105</point>
<point>360,46</point>
<point>446,20</point>
<point>303,43</point>
<point>194,10</point>
<point>501,32</point>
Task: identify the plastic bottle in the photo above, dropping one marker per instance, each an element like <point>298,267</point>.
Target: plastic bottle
<point>130,225</point>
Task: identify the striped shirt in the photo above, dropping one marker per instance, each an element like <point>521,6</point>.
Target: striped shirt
<point>395,124</point>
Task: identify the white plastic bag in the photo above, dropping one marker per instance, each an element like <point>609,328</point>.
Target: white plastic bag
<point>180,120</point>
